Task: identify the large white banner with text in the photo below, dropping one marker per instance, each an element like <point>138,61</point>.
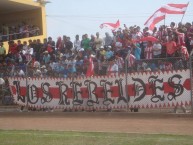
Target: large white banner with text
<point>136,90</point>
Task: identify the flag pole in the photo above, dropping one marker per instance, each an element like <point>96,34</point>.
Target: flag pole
<point>164,24</point>
<point>165,20</point>
<point>184,13</point>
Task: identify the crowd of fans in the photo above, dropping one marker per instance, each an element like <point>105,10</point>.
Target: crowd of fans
<point>129,49</point>
<point>22,30</point>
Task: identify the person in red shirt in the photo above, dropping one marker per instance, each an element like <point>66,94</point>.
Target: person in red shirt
<point>13,51</point>
<point>181,37</point>
<point>171,47</point>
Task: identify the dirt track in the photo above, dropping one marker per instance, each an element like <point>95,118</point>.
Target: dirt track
<point>99,122</point>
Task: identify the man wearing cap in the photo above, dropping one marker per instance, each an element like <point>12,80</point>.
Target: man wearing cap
<point>108,53</point>
<point>102,51</point>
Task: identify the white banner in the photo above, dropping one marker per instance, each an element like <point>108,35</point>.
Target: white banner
<point>141,90</point>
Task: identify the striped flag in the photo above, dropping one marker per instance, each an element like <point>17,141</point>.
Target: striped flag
<point>111,26</point>
<point>159,15</point>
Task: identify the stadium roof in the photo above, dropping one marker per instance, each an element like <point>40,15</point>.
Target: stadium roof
<point>9,6</point>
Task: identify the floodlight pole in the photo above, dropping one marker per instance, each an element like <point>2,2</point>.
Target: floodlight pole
<point>27,91</point>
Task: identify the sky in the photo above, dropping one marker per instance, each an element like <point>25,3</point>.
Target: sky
<point>71,17</point>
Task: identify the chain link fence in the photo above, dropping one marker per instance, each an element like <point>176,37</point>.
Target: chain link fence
<point>154,85</point>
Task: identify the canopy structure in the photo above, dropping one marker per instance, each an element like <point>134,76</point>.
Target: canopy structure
<point>10,6</point>
<point>30,12</point>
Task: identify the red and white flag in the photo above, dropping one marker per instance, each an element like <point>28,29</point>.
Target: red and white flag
<point>159,15</point>
<point>111,26</point>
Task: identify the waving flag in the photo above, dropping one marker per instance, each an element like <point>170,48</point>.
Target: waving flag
<point>159,15</point>
<point>111,26</point>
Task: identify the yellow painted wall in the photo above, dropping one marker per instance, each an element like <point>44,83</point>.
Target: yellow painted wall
<point>35,17</point>
<point>27,2</point>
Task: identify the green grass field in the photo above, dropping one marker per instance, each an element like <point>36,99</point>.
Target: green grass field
<point>82,138</point>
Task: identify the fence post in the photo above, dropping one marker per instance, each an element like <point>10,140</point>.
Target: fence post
<point>191,81</point>
<point>126,79</point>
<point>27,91</point>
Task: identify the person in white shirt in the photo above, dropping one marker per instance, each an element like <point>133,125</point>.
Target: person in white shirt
<point>77,43</point>
<point>157,49</point>
<point>98,41</point>
<point>113,68</point>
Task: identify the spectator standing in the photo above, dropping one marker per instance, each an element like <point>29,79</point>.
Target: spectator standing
<point>180,37</point>
<point>109,53</point>
<point>29,53</point>
<point>191,43</point>
<point>5,32</point>
<point>92,43</point>
<point>59,44</point>
<point>86,44</point>
<point>149,50</point>
<point>130,61</point>
<point>108,40</point>
<point>113,68</point>
<point>2,52</point>
<point>38,50</point>
<point>98,41</point>
<point>19,45</point>
<point>120,62</point>
<point>170,47</point>
<point>77,43</point>
<point>46,57</point>
<point>137,51</point>
<point>13,50</point>
<point>157,49</point>
<point>50,45</point>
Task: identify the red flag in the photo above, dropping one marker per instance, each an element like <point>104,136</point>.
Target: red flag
<point>90,69</point>
<point>111,26</point>
<point>161,12</point>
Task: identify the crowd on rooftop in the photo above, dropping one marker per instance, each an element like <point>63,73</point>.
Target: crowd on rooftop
<point>123,50</point>
<point>22,30</point>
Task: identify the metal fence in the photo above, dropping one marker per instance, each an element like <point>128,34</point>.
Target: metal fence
<point>154,85</point>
